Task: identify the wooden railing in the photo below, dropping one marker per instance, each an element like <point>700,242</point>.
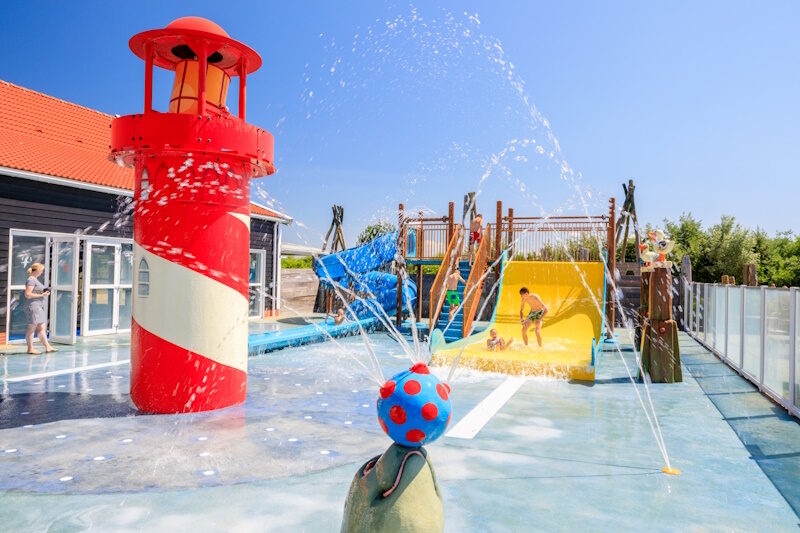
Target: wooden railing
<point>431,235</point>
<point>449,262</point>
<point>472,292</point>
<point>554,238</point>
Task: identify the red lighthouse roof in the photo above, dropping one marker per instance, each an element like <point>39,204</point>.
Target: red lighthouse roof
<point>197,24</point>
<point>224,52</point>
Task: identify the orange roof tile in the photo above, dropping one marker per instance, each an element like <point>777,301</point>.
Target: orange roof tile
<point>42,134</point>
<point>47,135</point>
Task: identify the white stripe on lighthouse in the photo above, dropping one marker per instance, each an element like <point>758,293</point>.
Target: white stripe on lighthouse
<point>192,311</point>
<point>244,218</point>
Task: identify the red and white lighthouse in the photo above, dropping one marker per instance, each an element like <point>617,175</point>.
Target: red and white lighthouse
<point>191,222</point>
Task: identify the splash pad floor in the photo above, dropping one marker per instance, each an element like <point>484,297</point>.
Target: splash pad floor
<point>75,455</point>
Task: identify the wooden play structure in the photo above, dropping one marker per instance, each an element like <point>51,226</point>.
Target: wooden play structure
<point>444,242</point>
<point>338,243</point>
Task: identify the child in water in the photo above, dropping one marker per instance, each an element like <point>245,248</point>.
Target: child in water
<point>339,317</point>
<point>495,343</point>
<point>537,312</point>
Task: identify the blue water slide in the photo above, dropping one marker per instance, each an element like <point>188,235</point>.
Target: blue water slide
<point>358,260</point>
<point>354,269</point>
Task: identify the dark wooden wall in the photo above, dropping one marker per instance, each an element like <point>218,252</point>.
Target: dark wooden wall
<point>31,205</point>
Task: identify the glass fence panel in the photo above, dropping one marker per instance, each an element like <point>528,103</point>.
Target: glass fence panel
<point>734,324</point>
<point>797,350</point>
<point>776,341</point>
<point>719,319</point>
<point>752,331</point>
<point>701,301</point>
<point>711,316</point>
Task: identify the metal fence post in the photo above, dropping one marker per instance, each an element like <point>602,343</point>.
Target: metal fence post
<point>763,335</point>
<point>792,348</point>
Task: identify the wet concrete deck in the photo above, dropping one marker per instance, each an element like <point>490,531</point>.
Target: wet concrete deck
<point>75,455</point>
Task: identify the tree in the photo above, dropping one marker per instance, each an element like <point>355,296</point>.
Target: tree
<point>373,231</point>
<point>688,236</point>
<point>728,248</point>
<point>779,258</point>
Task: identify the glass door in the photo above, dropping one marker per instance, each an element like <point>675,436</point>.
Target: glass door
<point>26,248</point>
<point>64,287</point>
<point>256,284</point>
<point>107,287</point>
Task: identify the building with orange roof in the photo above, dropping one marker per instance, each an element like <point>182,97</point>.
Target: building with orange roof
<point>64,204</point>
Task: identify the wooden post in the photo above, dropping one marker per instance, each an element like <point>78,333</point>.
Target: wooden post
<point>750,275</point>
<point>451,208</point>
<point>510,239</point>
<point>401,225</point>
<point>611,282</point>
<point>661,357</point>
<point>498,230</point>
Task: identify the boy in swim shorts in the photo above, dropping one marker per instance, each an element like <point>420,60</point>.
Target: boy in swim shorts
<point>475,236</point>
<point>452,297</point>
<point>535,315</point>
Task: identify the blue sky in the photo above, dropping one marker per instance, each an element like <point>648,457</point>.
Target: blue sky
<point>376,103</point>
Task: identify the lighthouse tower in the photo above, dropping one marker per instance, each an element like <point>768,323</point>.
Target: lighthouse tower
<point>191,225</point>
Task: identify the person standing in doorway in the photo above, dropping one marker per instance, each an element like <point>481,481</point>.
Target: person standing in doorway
<point>35,308</point>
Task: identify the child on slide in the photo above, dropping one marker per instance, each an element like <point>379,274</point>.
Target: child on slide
<point>495,343</point>
<point>535,315</point>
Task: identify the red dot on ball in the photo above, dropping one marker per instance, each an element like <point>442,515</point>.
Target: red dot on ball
<point>415,435</point>
<point>429,411</point>
<point>387,389</point>
<point>448,419</point>
<point>443,392</point>
<point>383,425</point>
<point>397,414</point>
<point>420,368</point>
<point>446,386</point>
<point>412,387</point>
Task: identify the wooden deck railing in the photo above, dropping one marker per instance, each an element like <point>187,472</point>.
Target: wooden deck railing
<point>472,292</point>
<point>554,238</point>
<point>450,261</point>
<point>431,235</point>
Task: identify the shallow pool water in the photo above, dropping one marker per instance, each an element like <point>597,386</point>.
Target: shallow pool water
<point>75,455</point>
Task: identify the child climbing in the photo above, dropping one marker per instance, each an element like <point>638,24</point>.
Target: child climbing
<point>453,299</point>
<point>495,343</point>
<point>475,236</point>
<point>535,315</point>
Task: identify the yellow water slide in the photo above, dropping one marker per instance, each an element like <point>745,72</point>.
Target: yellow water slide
<point>573,294</point>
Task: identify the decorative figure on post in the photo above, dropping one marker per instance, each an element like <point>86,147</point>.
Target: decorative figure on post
<point>661,358</point>
<point>398,491</point>
<point>193,166</point>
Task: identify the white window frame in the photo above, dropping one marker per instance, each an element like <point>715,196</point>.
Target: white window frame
<point>116,287</point>
<point>259,283</point>
<point>10,288</point>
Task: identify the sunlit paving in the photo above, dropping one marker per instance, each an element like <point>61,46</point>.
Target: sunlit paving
<point>370,268</point>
